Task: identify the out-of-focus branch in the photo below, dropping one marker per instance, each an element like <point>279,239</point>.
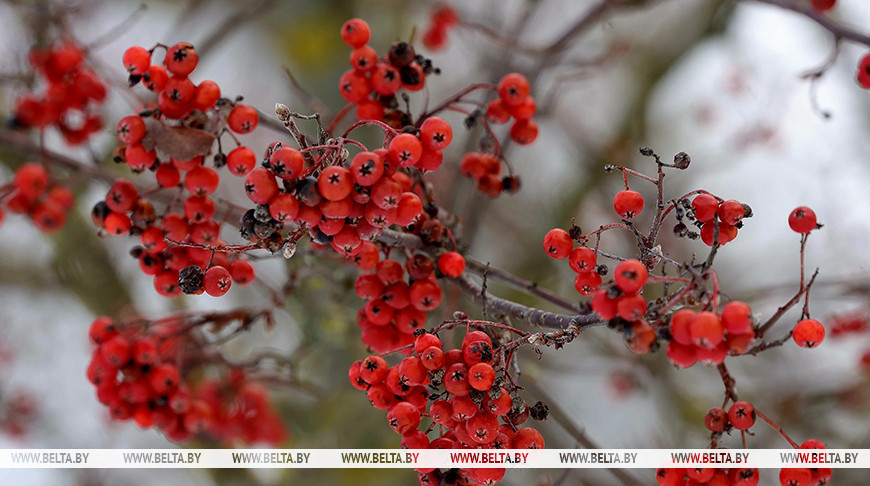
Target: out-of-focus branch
<point>20,143</point>
<point>838,30</point>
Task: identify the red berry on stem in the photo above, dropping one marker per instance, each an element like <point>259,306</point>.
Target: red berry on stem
<point>355,32</point>
<point>181,59</point>
<point>513,89</point>
<point>808,333</point>
<point>558,243</point>
<point>217,281</point>
<point>630,276</point>
<point>628,203</point>
<point>802,220</point>
<point>243,119</point>
<point>451,264</point>
<point>741,415</point>
<point>705,207</point>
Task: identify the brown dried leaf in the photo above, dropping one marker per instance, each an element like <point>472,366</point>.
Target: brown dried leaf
<point>179,143</point>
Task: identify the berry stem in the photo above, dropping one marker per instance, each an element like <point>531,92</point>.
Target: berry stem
<point>453,99</point>
<point>338,117</point>
<point>777,428</point>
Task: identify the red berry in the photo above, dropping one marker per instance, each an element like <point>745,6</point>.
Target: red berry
<point>155,78</point>
<point>217,281</point>
<point>864,72</point>
<point>497,112</point>
<point>731,212</point>
<point>582,259</point>
<point>102,329</point>
<point>481,376</point>
<point>198,209</point>
<point>716,419</point>
<point>527,438</point>
<point>741,415</point>
<point>354,86</point>
<point>628,204</point>
<point>587,282</point>
<point>355,32</point>
<point>118,224</point>
<point>335,183</point>
<point>524,132</point>
<point>726,233</point>
<point>206,95</point>
<point>795,477</point>
<point>31,180</point>
<point>131,129</point>
<point>136,60</point>
<point>808,333</point>
<point>403,417</point>
<point>706,330</point>
<point>425,295</point>
<point>243,119</point>
<point>630,276</point>
<point>167,175</point>
<point>241,161</point>
<point>260,186</point>
<point>242,271</point>
<point>180,89</point>
<point>558,243</point>
<point>435,134</point>
<point>366,168</point>
<point>181,59</point>
<point>406,149</point>
<point>513,89</point>
<point>451,264</point>
<point>409,209</point>
<point>705,207</point>
<point>201,180</point>
<point>802,220</point>
<point>823,5</point>
<point>385,79</point>
<point>737,317</point>
<point>364,58</point>
<point>164,378</point>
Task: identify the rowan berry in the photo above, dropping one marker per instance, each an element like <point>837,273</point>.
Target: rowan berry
<point>260,186</point>
<point>743,476</point>
<point>155,78</point>
<point>139,158</point>
<point>524,132</point>
<point>587,282</point>
<point>630,307</point>
<point>243,119</point>
<point>206,95</point>
<point>630,276</point>
<point>527,438</point>
<point>102,329</point>
<point>705,207</point>
<point>731,212</point>
<point>167,175</point>
<point>164,378</point>
<point>670,476</point>
<point>131,129</point>
<point>403,417</point>
<point>582,259</point>
<point>864,72</point>
<point>201,180</point>
<point>795,477</point>
<point>525,110</point>
<point>558,243</point>
<point>737,317</point>
<point>741,415</point>
<point>706,330</point>
<point>628,203</point>
<point>412,371</point>
<point>481,376</point>
<point>425,295</point>
<point>802,220</point>
<point>385,79</point>
<point>726,233</point>
<point>680,355</point>
<point>117,224</point>
<point>180,90</point>
<point>198,209</point>
<point>513,89</point>
<point>181,59</point>
<point>451,264</point>
<point>217,281</point>
<point>406,149</point>
<point>823,5</point>
<point>354,86</point>
<point>31,180</point>
<point>808,333</point>
<point>497,112</point>
<point>716,420</point>
<point>116,350</point>
<point>355,32</point>
<point>435,134</point>
<point>456,378</point>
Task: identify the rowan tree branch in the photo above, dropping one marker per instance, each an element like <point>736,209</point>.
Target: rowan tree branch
<point>839,31</point>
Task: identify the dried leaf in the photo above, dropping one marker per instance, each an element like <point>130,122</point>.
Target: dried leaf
<point>179,143</point>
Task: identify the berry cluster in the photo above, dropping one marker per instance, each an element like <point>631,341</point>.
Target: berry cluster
<point>708,336</point>
<point>466,396</point>
<point>177,247</point>
<point>396,309</point>
<point>32,192</point>
<point>373,82</point>
<point>849,325</point>
<point>712,214</point>
<point>71,98</point>
<point>441,20</point>
<point>140,373</point>
<point>710,476</point>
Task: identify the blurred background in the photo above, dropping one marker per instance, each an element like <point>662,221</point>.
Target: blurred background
<point>718,79</point>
